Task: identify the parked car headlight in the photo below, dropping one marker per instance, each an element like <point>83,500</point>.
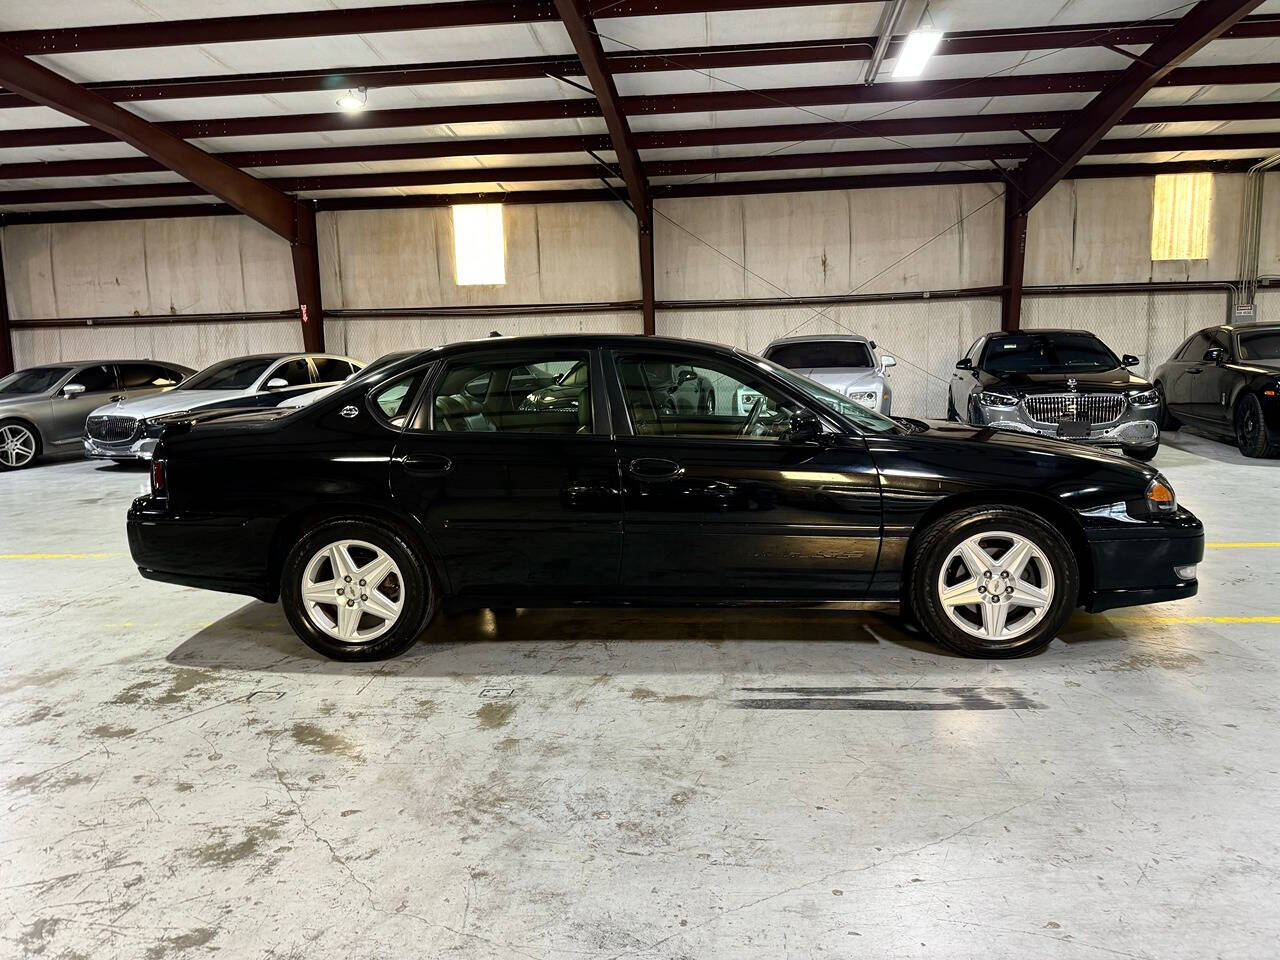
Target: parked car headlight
<point>987,399</point>
<point>867,398</point>
<point>1145,399</point>
<point>1160,496</point>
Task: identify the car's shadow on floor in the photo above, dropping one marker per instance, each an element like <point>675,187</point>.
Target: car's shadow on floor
<point>1190,441</point>
<point>257,637</point>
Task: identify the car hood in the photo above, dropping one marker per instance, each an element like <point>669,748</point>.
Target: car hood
<point>173,401</point>
<point>844,378</point>
<point>989,437</point>
<point>1103,381</point>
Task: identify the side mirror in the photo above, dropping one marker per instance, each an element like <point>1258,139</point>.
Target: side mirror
<point>888,361</point>
<point>73,389</point>
<point>964,363</point>
<point>1129,360</point>
<point>804,427</point>
<point>683,377</point>
<point>277,383</point>
<point>1214,355</point>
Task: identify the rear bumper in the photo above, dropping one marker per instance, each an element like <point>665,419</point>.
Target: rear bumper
<point>225,554</point>
<point>1140,565</point>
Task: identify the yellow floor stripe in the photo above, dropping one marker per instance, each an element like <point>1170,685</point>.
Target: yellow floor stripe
<point>1242,545</point>
<point>54,556</point>
<point>1190,620</point>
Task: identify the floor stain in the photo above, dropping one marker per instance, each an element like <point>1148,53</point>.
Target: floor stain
<point>187,941</point>
<point>493,716</point>
<point>643,693</point>
<point>1145,661</point>
<point>106,731</point>
<point>221,852</point>
<point>309,735</point>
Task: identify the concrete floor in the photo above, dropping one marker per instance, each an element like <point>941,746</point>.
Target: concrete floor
<point>180,777</point>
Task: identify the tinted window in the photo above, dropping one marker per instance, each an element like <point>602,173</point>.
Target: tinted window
<point>329,370</point>
<point>95,379</point>
<point>1195,348</point>
<point>32,381</point>
<point>394,400</point>
<point>821,353</point>
<point>670,397</point>
<point>1260,345</point>
<point>296,373</point>
<point>1047,353</point>
<point>229,374</point>
<point>486,396</point>
<point>143,376</point>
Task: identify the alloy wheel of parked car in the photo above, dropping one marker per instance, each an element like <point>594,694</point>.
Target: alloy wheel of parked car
<point>1251,433</point>
<point>993,581</point>
<point>18,446</point>
<point>355,590</point>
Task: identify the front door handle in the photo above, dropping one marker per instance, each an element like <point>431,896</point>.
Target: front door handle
<point>1196,370</point>
<point>654,468</point>
<point>426,465</point>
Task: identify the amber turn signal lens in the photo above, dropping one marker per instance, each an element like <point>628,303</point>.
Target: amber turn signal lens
<point>1160,494</point>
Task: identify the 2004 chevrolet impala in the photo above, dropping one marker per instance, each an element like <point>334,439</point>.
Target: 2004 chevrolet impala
<point>564,469</point>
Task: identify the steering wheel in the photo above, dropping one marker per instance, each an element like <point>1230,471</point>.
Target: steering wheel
<point>752,417</point>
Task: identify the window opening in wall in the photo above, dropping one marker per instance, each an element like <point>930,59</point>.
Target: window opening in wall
<point>1180,216</point>
<point>479,247</point>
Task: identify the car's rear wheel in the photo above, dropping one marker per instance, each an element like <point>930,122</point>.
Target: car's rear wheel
<point>993,581</point>
<point>19,445</point>
<point>1167,420</point>
<point>1251,429</point>
<point>951,410</point>
<point>356,590</point>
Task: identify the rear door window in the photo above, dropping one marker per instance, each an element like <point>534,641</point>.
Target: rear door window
<point>475,395</point>
<point>147,376</point>
<point>331,369</point>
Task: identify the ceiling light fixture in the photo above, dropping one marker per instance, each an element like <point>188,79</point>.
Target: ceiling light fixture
<point>353,101</point>
<point>916,51</point>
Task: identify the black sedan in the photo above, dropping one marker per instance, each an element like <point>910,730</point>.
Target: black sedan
<point>1226,381</point>
<point>1057,383</point>
<point>436,482</point>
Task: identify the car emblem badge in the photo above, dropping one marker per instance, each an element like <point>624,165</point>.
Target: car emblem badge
<point>1071,383</point>
<point>350,411</point>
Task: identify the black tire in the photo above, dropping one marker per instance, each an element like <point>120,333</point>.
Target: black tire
<point>1167,420</point>
<point>1251,429</point>
<point>1141,453</point>
<point>15,428</point>
<point>951,409</point>
<point>418,587</point>
<point>948,532</point>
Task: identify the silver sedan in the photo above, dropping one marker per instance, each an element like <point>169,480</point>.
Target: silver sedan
<point>43,409</point>
<point>844,363</point>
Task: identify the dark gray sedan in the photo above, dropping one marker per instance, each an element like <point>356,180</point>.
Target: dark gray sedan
<point>43,409</point>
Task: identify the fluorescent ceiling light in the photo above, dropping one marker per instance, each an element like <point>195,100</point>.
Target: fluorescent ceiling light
<point>479,247</point>
<point>353,101</point>
<point>915,53</point>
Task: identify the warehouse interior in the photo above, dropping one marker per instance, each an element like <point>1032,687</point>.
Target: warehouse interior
<point>183,777</point>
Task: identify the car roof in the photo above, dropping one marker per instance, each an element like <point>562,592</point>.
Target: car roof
<point>1013,333</point>
<point>584,341</point>
<point>1245,327</point>
<point>822,338</point>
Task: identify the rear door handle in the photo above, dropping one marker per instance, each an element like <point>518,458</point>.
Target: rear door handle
<point>426,465</point>
<point>654,468</point>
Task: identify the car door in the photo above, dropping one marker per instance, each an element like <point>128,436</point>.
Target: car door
<point>963,381</point>
<point>72,408</point>
<point>515,479</point>
<point>1213,384</point>
<point>1183,377</point>
<point>721,502</point>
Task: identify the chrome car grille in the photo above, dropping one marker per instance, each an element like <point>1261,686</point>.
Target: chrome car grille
<point>1091,407</point>
<point>111,429</point>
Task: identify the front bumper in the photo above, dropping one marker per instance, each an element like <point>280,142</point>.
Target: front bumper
<point>1138,564</point>
<point>1135,427</point>
<point>134,449</point>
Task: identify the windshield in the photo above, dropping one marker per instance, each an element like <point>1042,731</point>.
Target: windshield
<point>229,375</point>
<point>32,381</point>
<point>1260,345</point>
<point>864,418</point>
<point>1048,353</point>
<point>822,354</point>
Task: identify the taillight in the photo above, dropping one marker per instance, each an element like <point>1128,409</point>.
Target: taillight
<point>158,478</point>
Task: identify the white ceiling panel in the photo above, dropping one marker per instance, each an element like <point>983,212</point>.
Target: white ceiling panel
<point>15,15</point>
<point>1221,93</point>
<point>755,26</point>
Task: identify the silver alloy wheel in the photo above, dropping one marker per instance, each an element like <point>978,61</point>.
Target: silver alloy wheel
<point>996,586</point>
<point>352,591</point>
<point>17,445</point>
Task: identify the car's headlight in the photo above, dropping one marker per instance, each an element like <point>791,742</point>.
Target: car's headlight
<point>987,399</point>
<point>865,398</point>
<point>1160,496</point>
<point>1145,399</point>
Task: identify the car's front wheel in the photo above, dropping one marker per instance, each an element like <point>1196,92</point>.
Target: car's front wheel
<point>19,445</point>
<point>993,581</point>
<point>356,590</point>
<point>1251,429</point>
